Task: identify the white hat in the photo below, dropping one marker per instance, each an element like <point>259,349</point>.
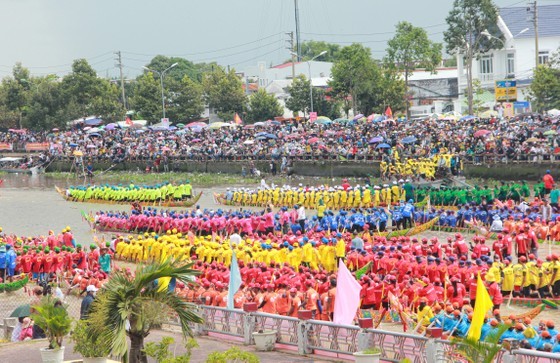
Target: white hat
<point>401,181</point>
<point>91,288</point>
<point>407,180</point>
<point>395,182</point>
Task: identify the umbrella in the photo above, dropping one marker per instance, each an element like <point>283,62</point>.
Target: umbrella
<point>313,140</point>
<point>87,128</point>
<point>550,132</point>
<point>553,112</point>
<point>261,134</point>
<point>198,124</point>
<point>409,140</point>
<point>260,123</point>
<point>196,140</point>
<point>341,121</point>
<point>180,125</point>
<point>248,127</point>
<point>90,146</point>
<point>467,118</point>
<point>532,139</point>
<point>217,125</point>
<point>488,114</point>
<point>480,133</point>
<point>375,140</point>
<point>274,122</point>
<point>21,311</point>
<point>55,129</point>
<point>383,146</point>
<point>94,134</point>
<point>358,116</point>
<point>78,153</point>
<point>73,144</point>
<point>111,126</point>
<point>379,118</point>
<point>140,131</point>
<point>165,148</point>
<point>323,121</point>
<point>249,142</point>
<point>271,136</point>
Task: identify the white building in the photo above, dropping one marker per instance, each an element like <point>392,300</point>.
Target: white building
<point>433,92</point>
<point>516,60</point>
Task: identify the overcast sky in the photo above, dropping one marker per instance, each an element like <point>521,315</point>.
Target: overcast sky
<point>47,35</point>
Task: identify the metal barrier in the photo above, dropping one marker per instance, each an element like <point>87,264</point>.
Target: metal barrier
<point>532,356</point>
<point>397,346</point>
<point>330,337</point>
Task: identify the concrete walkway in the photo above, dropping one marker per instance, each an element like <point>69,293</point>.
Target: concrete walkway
<point>28,352</point>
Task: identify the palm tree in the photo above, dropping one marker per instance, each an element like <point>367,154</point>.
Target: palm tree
<point>475,351</point>
<point>131,306</point>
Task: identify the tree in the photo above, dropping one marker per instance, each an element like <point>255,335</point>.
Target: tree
<point>325,106</point>
<point>263,106</point>
<point>183,68</point>
<point>299,95</point>
<point>478,91</point>
<point>466,21</point>
<point>15,93</point>
<point>139,302</point>
<point>544,91</point>
<point>186,102</point>
<point>311,48</point>
<point>411,48</point>
<point>224,92</point>
<point>353,74</point>
<point>42,111</point>
<point>146,97</point>
<point>91,94</point>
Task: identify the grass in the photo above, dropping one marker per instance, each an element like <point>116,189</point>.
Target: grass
<point>196,179</point>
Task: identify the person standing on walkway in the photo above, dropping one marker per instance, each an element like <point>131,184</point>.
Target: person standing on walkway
<point>548,181</point>
<point>87,301</point>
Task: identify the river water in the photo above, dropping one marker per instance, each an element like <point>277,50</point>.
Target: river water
<point>30,206</point>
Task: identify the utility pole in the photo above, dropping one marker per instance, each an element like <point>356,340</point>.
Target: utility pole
<point>298,44</point>
<point>291,49</point>
<point>536,29</point>
<point>120,65</point>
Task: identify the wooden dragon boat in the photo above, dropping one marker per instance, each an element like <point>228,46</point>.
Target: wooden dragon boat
<point>163,203</point>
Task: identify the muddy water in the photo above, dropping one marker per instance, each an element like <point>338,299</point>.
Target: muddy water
<point>30,206</point>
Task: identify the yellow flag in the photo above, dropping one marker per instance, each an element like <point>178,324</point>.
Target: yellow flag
<point>482,305</point>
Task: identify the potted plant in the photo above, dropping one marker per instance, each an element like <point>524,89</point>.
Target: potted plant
<point>51,316</point>
<point>264,340</point>
<point>370,355</point>
<point>88,343</point>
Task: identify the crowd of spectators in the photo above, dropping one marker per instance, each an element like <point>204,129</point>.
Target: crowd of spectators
<point>525,137</point>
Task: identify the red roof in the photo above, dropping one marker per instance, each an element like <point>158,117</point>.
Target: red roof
<point>285,65</point>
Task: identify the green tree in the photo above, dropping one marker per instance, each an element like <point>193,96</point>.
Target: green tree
<point>186,100</point>
<point>544,91</point>
<point>466,21</point>
<point>146,97</point>
<point>411,48</point>
<point>325,106</point>
<point>139,302</point>
<point>223,91</point>
<point>91,94</point>
<point>354,75</point>
<point>478,91</point>
<point>263,106</point>
<point>14,96</point>
<point>42,111</point>
<point>299,95</point>
<point>311,48</point>
<point>183,68</point>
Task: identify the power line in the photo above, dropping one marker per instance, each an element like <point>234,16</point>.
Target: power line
<point>366,34</point>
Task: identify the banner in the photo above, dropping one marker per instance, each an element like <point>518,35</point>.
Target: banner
<point>36,146</point>
<point>312,116</point>
<point>6,146</point>
<point>506,90</point>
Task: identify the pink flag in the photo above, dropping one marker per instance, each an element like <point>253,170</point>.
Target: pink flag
<point>347,299</point>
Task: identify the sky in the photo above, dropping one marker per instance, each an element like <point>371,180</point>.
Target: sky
<point>47,35</point>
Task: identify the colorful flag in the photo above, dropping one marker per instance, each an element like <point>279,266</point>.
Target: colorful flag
<point>364,270</point>
<point>234,280</point>
<point>389,112</point>
<point>128,120</point>
<point>482,304</point>
<point>347,299</point>
<point>237,119</point>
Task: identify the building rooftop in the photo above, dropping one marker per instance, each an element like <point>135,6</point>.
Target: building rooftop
<point>518,18</point>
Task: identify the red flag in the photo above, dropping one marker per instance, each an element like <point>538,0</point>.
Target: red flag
<point>128,120</point>
<point>237,119</point>
<point>389,112</point>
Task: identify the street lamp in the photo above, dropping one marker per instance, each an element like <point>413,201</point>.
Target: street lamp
<point>161,74</point>
<point>489,36</point>
<point>309,72</point>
